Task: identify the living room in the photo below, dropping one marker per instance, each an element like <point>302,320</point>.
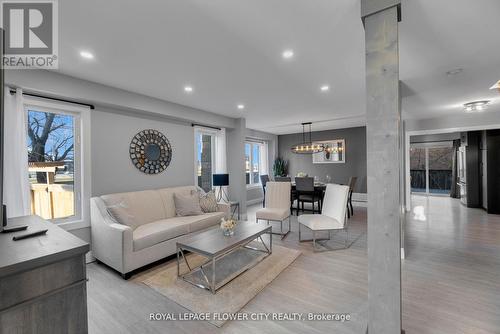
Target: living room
<point>237,168</point>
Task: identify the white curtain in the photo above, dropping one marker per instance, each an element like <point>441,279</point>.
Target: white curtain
<point>220,152</point>
<point>264,157</point>
<point>16,192</point>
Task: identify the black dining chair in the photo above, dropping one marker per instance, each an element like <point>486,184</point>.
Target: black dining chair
<point>282,179</point>
<point>306,193</point>
<point>263,181</point>
<point>351,184</point>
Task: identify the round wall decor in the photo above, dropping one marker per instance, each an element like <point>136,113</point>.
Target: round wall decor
<point>150,151</point>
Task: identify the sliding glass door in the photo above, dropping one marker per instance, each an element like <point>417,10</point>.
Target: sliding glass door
<point>431,168</point>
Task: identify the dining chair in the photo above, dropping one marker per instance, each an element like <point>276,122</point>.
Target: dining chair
<point>306,193</point>
<point>277,207</point>
<point>263,181</point>
<point>351,185</point>
<point>294,193</point>
<point>283,179</point>
<point>332,217</point>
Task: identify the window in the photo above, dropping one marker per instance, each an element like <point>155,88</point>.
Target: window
<point>431,168</point>
<point>255,162</point>
<point>54,163</point>
<point>205,158</point>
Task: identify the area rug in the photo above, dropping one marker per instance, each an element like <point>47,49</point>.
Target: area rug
<point>230,298</point>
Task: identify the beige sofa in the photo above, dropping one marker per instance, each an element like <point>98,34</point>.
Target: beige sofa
<point>133,229</point>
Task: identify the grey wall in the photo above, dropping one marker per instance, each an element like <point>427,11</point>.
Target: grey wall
<point>112,169</point>
<point>355,161</point>
<point>59,85</point>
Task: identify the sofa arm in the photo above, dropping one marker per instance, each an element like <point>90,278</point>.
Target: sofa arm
<point>224,207</point>
<point>111,241</point>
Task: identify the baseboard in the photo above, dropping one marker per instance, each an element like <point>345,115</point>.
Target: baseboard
<point>360,199</point>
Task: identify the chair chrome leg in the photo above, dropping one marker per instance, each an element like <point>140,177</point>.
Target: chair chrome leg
<point>346,237</point>
<point>299,233</point>
<point>314,241</point>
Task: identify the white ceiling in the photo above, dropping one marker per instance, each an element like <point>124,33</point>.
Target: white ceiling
<point>230,52</point>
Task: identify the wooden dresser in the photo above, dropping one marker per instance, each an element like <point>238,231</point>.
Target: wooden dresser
<point>42,280</point>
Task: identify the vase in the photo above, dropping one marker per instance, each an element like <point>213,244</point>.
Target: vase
<point>228,232</point>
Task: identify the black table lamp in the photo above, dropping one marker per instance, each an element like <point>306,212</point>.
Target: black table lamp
<point>221,180</point>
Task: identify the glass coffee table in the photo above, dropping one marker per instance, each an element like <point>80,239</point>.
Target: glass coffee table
<point>227,257</point>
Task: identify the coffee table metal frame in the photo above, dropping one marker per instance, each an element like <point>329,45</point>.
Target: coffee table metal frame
<point>211,284</point>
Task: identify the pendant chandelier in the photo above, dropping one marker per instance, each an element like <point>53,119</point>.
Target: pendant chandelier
<point>307,146</point>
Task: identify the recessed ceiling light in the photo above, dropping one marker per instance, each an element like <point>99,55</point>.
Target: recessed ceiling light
<point>86,55</point>
<point>454,71</point>
<point>476,106</point>
<point>188,89</point>
<point>241,106</point>
<point>325,88</point>
<point>287,54</point>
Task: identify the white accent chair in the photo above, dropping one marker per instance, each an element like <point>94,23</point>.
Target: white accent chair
<point>277,209</point>
<point>332,217</point>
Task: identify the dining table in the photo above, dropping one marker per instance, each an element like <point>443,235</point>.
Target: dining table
<point>319,188</point>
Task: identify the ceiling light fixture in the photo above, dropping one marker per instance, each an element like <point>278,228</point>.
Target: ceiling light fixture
<point>188,89</point>
<point>476,106</point>
<point>86,55</point>
<point>307,146</point>
<point>287,54</point>
<point>325,88</point>
<point>241,106</point>
<point>496,86</point>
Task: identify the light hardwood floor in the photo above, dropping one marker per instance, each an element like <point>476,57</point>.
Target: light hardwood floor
<point>451,274</point>
<point>450,282</point>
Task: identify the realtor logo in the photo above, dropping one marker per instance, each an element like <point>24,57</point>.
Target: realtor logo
<point>30,34</point>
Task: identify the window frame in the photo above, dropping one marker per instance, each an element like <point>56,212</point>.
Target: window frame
<point>213,135</point>
<point>426,146</point>
<point>81,161</point>
<point>263,161</point>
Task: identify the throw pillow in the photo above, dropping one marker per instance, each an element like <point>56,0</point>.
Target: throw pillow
<point>208,202</point>
<point>187,205</point>
<point>121,213</point>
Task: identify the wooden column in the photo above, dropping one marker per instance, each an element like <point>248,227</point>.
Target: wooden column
<point>381,18</point>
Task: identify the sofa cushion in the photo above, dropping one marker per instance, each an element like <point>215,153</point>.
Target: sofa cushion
<point>167,196</point>
<point>148,235</point>
<point>208,202</point>
<point>206,220</point>
<point>135,208</point>
<point>272,214</point>
<point>187,205</point>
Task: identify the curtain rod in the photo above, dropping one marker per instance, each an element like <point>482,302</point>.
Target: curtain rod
<point>433,141</point>
<point>205,126</point>
<point>91,106</point>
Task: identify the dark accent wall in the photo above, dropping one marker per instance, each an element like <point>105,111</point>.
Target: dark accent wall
<point>355,161</point>
<point>472,169</point>
<point>493,166</point>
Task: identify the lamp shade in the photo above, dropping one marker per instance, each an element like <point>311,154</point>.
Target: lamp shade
<point>220,180</point>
